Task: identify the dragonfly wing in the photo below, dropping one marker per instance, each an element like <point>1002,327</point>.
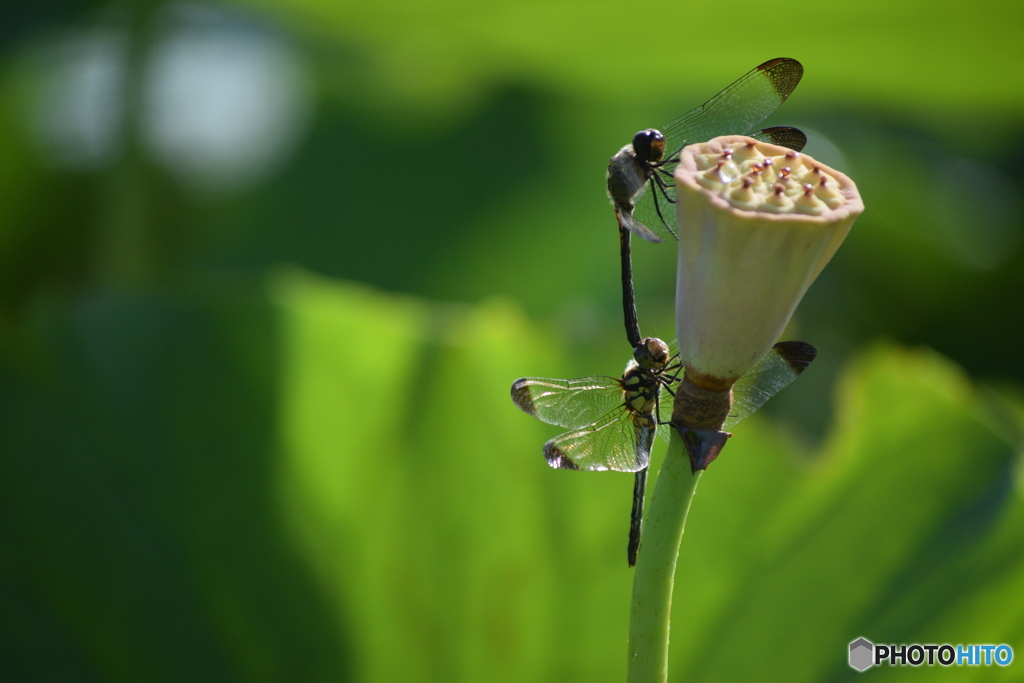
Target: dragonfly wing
<point>570,403</point>
<point>664,430</point>
<point>771,374</point>
<point>666,397</point>
<point>657,206</point>
<point>793,138</point>
<point>633,224</point>
<point>615,442</point>
<point>664,407</point>
<point>737,110</point>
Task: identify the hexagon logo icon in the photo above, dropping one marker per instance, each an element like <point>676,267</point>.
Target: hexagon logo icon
<point>862,654</point>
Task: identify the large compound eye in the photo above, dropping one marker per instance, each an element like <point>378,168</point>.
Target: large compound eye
<point>649,145</point>
<point>651,354</point>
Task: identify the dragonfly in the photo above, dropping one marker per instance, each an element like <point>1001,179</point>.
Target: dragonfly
<point>614,420</point>
<point>640,182</point>
<point>737,110</point>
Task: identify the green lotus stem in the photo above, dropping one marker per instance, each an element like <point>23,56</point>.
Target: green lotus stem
<point>656,566</point>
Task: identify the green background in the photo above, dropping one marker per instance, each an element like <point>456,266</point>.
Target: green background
<point>260,430</point>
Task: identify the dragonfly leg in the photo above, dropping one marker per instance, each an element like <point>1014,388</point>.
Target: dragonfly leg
<point>660,188</point>
<point>670,375</point>
<point>657,402</point>
<point>668,174</point>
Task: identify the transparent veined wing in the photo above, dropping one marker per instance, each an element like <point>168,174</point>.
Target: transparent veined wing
<point>570,403</point>
<point>615,442</point>
<point>737,110</point>
<point>673,372</point>
<point>769,376</point>
<point>664,414</point>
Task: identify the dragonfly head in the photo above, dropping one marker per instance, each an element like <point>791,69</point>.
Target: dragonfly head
<point>649,145</point>
<point>651,354</point>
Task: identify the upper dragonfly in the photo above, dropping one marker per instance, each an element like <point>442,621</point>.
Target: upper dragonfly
<point>737,110</point>
<point>614,419</point>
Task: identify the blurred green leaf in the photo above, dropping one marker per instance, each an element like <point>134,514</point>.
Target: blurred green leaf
<point>142,533</point>
<point>436,56</point>
<point>315,479</point>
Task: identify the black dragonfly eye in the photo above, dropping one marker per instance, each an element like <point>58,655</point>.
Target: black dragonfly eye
<point>649,145</point>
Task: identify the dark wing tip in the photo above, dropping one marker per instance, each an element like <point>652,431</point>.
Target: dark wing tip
<point>522,397</point>
<point>785,74</point>
<point>797,354</point>
<point>786,136</point>
<point>786,63</point>
<point>557,458</point>
<point>778,60</point>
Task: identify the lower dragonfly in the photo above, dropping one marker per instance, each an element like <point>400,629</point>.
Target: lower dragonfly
<point>614,419</point>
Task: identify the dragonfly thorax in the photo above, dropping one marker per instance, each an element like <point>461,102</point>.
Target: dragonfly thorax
<point>640,388</point>
<point>649,145</point>
<point>627,179</point>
